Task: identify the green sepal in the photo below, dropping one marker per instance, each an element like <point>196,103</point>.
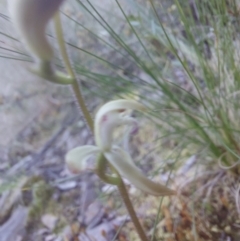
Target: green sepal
<point>45,71</point>
<point>101,171</point>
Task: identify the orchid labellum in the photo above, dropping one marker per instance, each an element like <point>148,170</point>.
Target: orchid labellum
<point>110,116</point>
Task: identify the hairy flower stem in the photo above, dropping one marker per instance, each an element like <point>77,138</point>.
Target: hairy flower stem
<point>86,114</point>
<point>123,191</point>
<point>75,86</point>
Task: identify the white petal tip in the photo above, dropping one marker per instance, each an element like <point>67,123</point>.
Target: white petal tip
<point>122,161</point>
<point>77,157</point>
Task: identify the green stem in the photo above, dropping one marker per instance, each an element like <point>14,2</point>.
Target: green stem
<point>123,191</point>
<point>102,160</point>
<point>75,86</point>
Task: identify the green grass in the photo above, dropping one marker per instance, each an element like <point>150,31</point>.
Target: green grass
<point>206,112</point>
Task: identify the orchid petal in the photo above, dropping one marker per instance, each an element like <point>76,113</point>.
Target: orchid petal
<point>123,163</point>
<point>109,117</point>
<point>30,18</point>
<point>116,105</point>
<point>77,157</point>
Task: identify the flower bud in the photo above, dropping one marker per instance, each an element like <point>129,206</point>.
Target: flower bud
<point>30,18</point>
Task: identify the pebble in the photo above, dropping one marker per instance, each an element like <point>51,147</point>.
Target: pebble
<point>51,237</point>
<point>49,221</point>
<point>94,214</point>
<point>19,238</point>
<point>108,189</point>
<point>67,233</point>
<point>67,185</point>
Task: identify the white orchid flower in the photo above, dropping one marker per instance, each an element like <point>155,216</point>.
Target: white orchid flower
<point>107,119</point>
<point>30,17</point>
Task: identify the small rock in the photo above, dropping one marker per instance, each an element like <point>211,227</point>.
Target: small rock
<point>19,238</point>
<point>14,227</point>
<point>80,124</point>
<point>67,185</point>
<point>94,214</point>
<point>227,229</point>
<point>49,221</point>
<point>103,232</point>
<point>42,231</point>
<point>51,237</point>
<point>67,233</point>
<point>108,189</point>
<point>215,229</point>
<point>58,239</point>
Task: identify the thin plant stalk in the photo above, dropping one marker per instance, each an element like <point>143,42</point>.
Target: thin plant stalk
<point>77,91</point>
<point>128,203</point>
<point>75,86</point>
